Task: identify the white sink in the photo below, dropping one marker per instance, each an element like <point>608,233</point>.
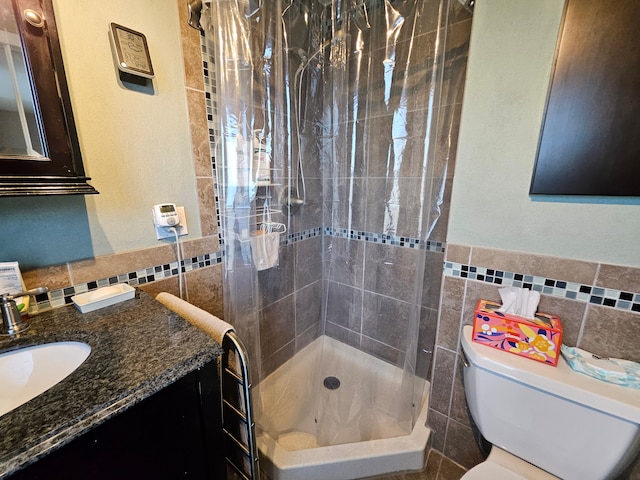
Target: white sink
<point>27,372</point>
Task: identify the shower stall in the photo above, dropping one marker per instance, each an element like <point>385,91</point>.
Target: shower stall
<point>335,127</point>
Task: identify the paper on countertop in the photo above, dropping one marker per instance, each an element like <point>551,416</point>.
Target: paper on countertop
<point>11,282</point>
<point>519,301</point>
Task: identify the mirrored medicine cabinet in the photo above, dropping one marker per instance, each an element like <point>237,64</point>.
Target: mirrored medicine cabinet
<point>39,149</point>
<point>589,143</point>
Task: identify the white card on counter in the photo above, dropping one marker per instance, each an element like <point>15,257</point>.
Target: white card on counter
<point>11,281</point>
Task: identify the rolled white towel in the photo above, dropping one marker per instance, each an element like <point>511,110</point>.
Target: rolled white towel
<point>210,324</point>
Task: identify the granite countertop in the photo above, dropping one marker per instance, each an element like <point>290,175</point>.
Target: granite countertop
<point>138,347</point>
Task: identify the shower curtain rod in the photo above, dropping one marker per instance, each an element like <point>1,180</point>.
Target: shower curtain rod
<point>195,10</point>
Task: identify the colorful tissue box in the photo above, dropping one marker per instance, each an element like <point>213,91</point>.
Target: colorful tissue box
<point>538,339</point>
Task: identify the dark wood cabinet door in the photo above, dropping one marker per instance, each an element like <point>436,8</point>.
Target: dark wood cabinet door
<point>590,140</point>
<point>175,433</point>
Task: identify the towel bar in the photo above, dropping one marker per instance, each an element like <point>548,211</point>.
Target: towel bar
<point>238,426</point>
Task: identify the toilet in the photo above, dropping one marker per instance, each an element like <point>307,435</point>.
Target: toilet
<point>547,422</point>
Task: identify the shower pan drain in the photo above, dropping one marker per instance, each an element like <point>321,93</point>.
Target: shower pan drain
<point>331,383</point>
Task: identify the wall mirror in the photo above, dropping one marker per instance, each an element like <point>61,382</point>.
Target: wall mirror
<point>590,140</point>
<point>39,149</point>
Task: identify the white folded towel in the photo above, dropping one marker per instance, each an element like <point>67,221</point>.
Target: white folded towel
<point>210,324</point>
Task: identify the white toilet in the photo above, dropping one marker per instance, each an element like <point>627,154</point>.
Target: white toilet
<point>546,422</point>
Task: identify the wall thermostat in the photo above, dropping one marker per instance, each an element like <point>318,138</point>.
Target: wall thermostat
<point>165,215</point>
<point>131,51</point>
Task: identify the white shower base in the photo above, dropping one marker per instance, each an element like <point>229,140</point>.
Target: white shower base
<point>291,401</point>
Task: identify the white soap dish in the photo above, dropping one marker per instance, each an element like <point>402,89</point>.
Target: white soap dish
<point>103,297</point>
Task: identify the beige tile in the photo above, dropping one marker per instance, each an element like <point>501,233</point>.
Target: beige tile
<point>461,446</point>
<point>54,277</point>
<point>477,291</point>
<point>457,13</point>
<point>277,326</point>
<point>205,289</point>
<point>432,279</point>
<point>442,381</point>
<point>619,277</point>
<point>191,50</point>
<point>200,246</point>
<point>447,139</point>
<point>306,337</point>
<point>458,253</point>
<point>169,285</point>
<point>451,312</point>
<point>428,18</point>
<point>433,465</point>
<point>456,63</point>
<point>459,410</point>
<point>450,470</point>
<point>571,315</point>
<point>206,201</point>
<point>441,216</point>
<point>109,265</point>
<point>200,145</point>
<point>611,333</point>
<point>540,265</point>
<point>437,422</point>
<point>276,359</point>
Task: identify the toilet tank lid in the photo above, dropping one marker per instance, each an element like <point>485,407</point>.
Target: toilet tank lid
<point>623,402</point>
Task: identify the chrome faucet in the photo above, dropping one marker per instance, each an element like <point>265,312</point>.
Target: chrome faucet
<point>12,322</point>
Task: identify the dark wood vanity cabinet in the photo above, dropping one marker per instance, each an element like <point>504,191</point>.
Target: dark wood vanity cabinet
<point>173,434</point>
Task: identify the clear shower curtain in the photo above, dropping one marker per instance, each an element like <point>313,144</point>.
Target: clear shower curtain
<point>356,93</point>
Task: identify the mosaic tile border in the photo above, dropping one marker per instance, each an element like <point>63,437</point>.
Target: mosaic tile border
<point>607,297</point>
<point>386,239</point>
<point>617,299</point>
<point>294,237</point>
<point>61,297</point>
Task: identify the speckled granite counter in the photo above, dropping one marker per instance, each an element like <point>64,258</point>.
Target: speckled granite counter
<point>138,347</point>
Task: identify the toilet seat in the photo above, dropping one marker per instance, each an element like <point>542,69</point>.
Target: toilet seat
<point>501,465</point>
<point>489,470</point>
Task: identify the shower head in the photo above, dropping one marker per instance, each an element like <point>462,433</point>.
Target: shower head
<point>195,10</point>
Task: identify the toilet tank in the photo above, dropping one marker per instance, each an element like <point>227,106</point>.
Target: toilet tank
<point>571,425</point>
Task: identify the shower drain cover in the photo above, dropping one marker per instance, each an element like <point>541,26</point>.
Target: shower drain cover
<point>331,383</point>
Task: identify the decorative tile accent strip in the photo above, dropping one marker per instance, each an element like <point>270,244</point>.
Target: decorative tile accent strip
<point>62,296</point>
<point>385,239</point>
<point>293,237</point>
<point>620,300</point>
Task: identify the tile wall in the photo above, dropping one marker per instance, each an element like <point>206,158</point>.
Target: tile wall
<point>598,305</point>
<point>155,269</point>
<point>358,271</point>
<point>381,185</point>
<point>366,256</point>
